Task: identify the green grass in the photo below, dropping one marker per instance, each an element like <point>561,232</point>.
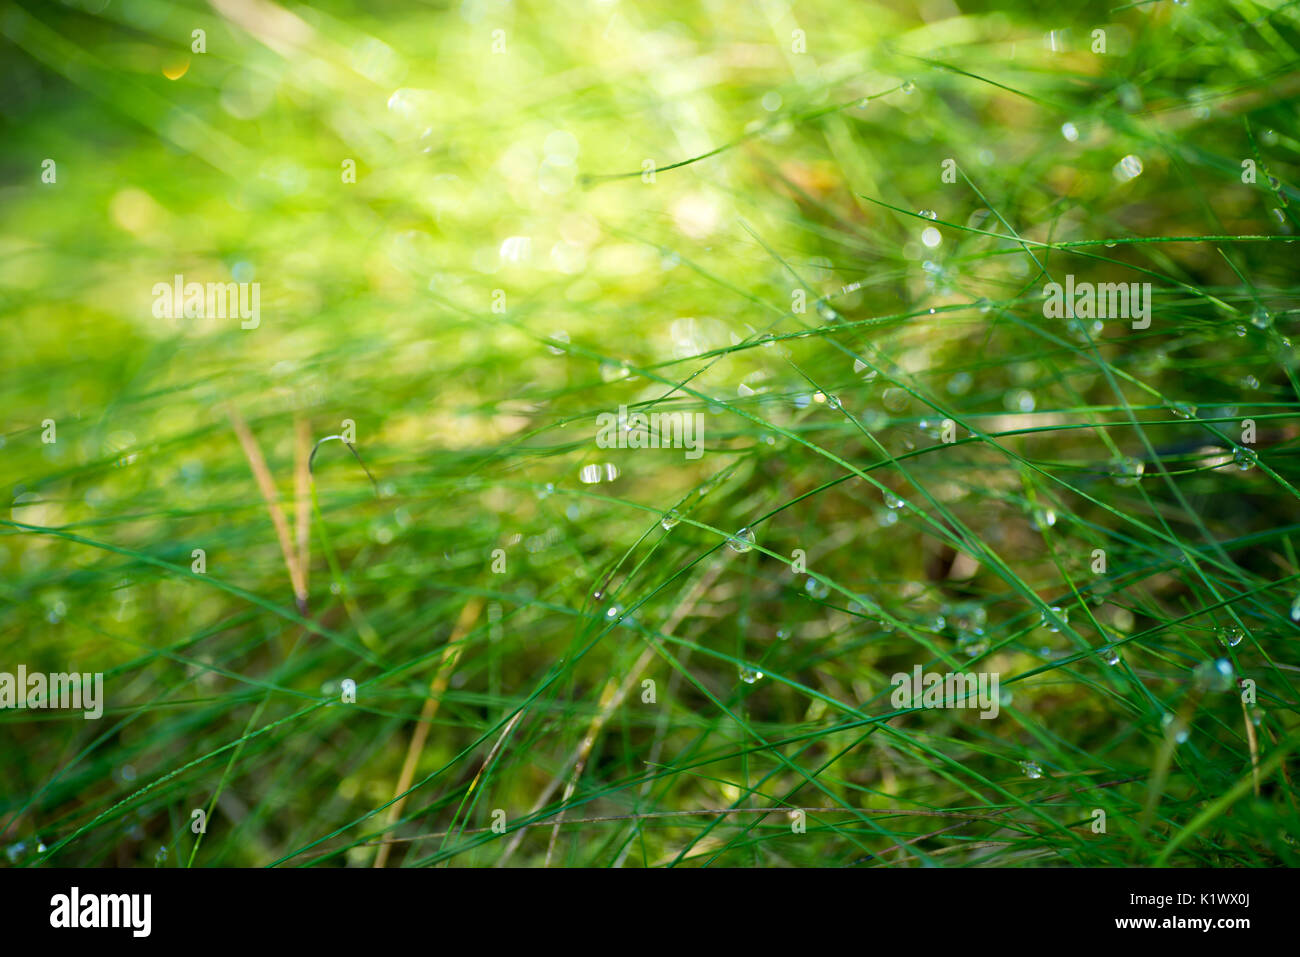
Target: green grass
<point>773,278</point>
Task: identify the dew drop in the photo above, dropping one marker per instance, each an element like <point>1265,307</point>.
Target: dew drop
<point>1178,729</point>
<point>750,675</point>
<point>1054,617</point>
<point>1231,636</point>
<point>670,520</point>
<point>894,399</point>
<point>1070,132</point>
<point>1184,410</point>
<point>1260,318</point>
<point>927,213</point>
<point>1031,769</point>
<point>983,305</point>
<point>742,541</point>
<point>908,87</point>
<point>1216,675</point>
<point>893,501</point>
<point>612,371</point>
<point>1295,609</point>
<point>960,383</point>
<point>968,618</point>
<point>1244,458</point>
<point>1020,400</point>
<point>1130,167</point>
<point>1127,471</point>
<point>825,310</point>
<point>816,589</point>
<point>1044,518</point>
<point>1109,655</point>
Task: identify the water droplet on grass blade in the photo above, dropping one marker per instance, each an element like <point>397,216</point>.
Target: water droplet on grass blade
<point>1216,675</point>
<point>742,541</point>
<point>1175,726</point>
<point>816,589</point>
<point>1231,636</point>
<point>1070,132</point>
<point>1054,617</point>
<point>1130,167</point>
<point>1031,769</point>
<point>670,520</point>
<point>612,371</point>
<point>750,675</point>
<point>826,312</point>
<point>560,336</point>
<point>1127,471</point>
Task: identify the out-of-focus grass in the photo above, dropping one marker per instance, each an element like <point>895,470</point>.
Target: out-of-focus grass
<point>489,178</point>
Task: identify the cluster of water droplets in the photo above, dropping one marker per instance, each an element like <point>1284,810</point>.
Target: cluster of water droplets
<point>968,619</point>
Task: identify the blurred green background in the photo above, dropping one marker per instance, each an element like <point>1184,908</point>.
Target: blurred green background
<point>503,267</point>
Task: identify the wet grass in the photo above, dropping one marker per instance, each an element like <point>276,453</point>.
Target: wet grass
<point>554,670</point>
